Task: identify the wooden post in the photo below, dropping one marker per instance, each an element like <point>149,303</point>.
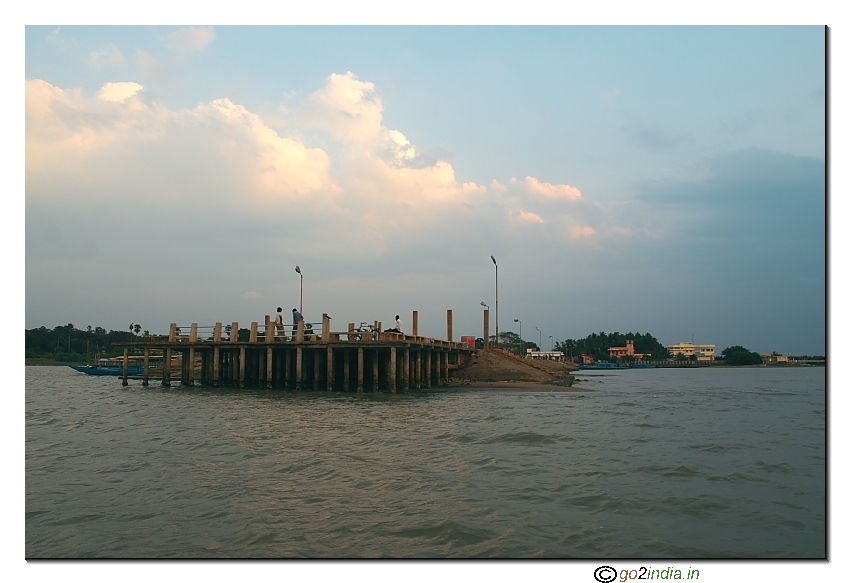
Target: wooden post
<point>415,326</point>
<point>234,332</point>
<point>166,367</point>
<point>360,369</point>
<point>126,365</point>
<point>449,325</point>
<point>486,329</point>
<point>299,357</point>
<point>253,337</point>
<point>391,373</point>
<point>242,356</point>
<point>330,376</point>
<point>145,364</point>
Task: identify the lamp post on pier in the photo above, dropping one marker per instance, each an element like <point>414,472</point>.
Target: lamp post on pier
<point>301,305</point>
<point>553,344</point>
<point>540,346</point>
<point>497,299</point>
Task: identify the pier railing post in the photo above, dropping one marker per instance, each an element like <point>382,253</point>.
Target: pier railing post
<point>415,326</point>
<point>326,327</point>
<point>234,332</point>
<point>253,337</point>
<point>269,329</point>
<point>193,333</point>
<point>172,333</point>
<point>299,334</point>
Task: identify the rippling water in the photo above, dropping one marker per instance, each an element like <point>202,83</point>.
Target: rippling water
<point>648,464</point>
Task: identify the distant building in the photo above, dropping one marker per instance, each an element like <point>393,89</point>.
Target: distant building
<point>552,355</point>
<point>701,351</point>
<point>773,358</point>
<point>627,350</point>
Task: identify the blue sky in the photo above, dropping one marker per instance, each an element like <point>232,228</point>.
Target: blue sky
<point>668,180</point>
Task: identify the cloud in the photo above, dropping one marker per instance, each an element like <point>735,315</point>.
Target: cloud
<point>548,190</point>
<point>579,231</point>
<point>118,92</point>
<point>190,39</point>
<point>529,217</point>
<point>108,54</point>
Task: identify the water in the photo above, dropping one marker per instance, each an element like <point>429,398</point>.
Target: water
<point>654,463</point>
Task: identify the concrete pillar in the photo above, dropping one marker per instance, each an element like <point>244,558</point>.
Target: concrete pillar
<point>330,376</point>
<point>242,356</point>
<point>445,367</point>
<point>269,365</point>
<point>299,334</point>
<point>449,330</point>
<point>172,333</point>
<point>145,364</point>
<point>317,367</point>
<point>253,337</point>
<point>234,332</point>
<point>193,333</point>
<point>360,369</point>
<point>376,381</point>
<point>126,366</point>
<point>299,357</point>
<point>438,358</point>
<point>426,369</point>
<point>191,367</point>
<point>405,367</point>
<point>217,332</point>
<point>166,367</point>
<point>326,328</point>
<point>346,369</point>
<point>486,329</point>
<point>391,372</point>
<point>287,370</point>
<point>418,371</point>
<point>415,325</point>
<point>269,329</point>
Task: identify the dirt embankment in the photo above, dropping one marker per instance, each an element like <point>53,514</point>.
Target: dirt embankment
<point>497,365</point>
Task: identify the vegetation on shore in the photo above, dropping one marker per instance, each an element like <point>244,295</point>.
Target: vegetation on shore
<point>70,344</point>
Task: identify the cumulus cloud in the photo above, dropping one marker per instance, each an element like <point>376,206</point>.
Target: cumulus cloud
<point>108,54</point>
<point>118,92</point>
<point>190,39</point>
<point>366,189</point>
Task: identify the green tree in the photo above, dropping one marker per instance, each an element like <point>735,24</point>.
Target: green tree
<point>739,356</point>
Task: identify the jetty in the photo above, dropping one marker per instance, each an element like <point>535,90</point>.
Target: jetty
<point>303,356</point>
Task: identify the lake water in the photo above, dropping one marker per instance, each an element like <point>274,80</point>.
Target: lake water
<point>660,463</point>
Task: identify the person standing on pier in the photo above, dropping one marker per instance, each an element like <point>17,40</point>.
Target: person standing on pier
<point>296,317</point>
<point>278,321</point>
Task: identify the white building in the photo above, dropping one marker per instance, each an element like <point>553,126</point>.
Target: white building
<point>551,355</point>
<point>688,349</point>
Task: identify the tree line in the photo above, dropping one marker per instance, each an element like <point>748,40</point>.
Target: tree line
<point>597,345</point>
<point>70,344</point>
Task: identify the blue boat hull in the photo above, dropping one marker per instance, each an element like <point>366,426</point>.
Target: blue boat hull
<point>113,371</point>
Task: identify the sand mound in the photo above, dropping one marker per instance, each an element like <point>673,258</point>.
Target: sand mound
<point>497,365</point>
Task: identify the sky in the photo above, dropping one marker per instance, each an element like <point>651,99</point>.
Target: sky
<point>668,180</point>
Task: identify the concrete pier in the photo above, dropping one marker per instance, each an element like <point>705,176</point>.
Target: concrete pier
<point>315,358</point>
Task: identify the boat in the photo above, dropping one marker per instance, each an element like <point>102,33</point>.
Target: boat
<point>111,367</point>
<point>602,366</point>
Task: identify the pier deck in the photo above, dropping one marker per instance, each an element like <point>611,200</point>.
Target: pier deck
<point>287,357</point>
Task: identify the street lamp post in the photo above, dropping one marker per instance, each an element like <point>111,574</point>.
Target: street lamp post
<point>553,344</point>
<point>522,352</point>
<point>486,325</point>
<point>301,306</point>
<point>540,345</point>
<point>497,299</point>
